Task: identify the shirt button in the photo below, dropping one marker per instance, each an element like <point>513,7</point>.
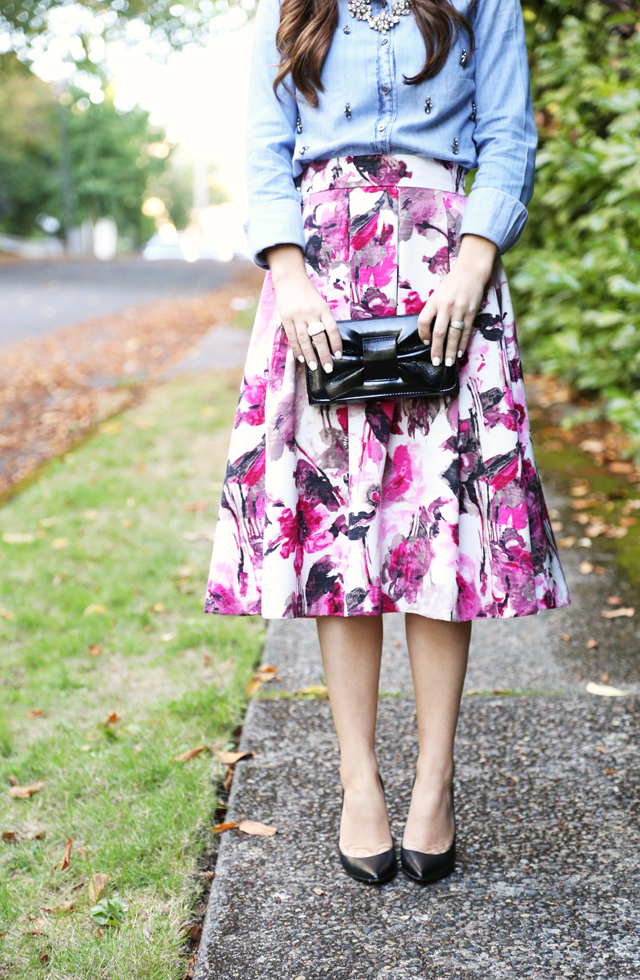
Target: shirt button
<point>385,89</point>
<point>385,40</point>
<point>381,127</point>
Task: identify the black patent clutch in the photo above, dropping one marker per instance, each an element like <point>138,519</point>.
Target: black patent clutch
<point>382,357</point>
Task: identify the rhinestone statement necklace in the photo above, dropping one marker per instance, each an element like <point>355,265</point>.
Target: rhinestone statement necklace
<point>385,20</point>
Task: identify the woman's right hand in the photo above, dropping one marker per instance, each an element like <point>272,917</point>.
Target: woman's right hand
<point>300,305</point>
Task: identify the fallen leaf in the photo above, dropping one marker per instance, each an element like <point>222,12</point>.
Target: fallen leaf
<point>97,884</point>
<point>24,792</point>
<point>206,660</point>
<point>617,613</point>
<point>591,644</point>
<point>167,637</point>
<point>230,758</point>
<point>208,875</point>
<point>194,931</point>
<point>7,614</point>
<point>198,535</point>
<point>605,690</point>
<point>604,678</point>
<point>35,713</point>
<point>197,507</point>
<point>10,836</point>
<point>592,446</point>
<point>99,933</point>
<point>319,891</point>
<point>610,772</point>
<point>60,543</point>
<point>618,466</point>
<point>565,637</point>
<point>580,490</point>
<point>94,650</point>
<point>44,956</point>
<point>35,835</point>
<point>586,567</point>
<point>113,719</point>
<point>628,521</point>
<point>600,570</point>
<point>16,537</point>
<point>556,526</point>
<point>13,779</point>
<point>95,608</point>
<point>584,504</point>
<point>616,532</point>
<point>85,748</point>
<point>567,542</point>
<point>110,428</point>
<point>228,779</point>
<point>596,530</point>
<point>601,748</point>
<point>614,600</point>
<point>319,690</point>
<point>185,572</point>
<point>34,932</point>
<point>256,828</point>
<point>253,687</point>
<point>66,906</point>
<point>191,754</point>
<point>221,827</point>
<point>66,857</point>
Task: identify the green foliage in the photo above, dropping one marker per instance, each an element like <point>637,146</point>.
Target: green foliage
<point>108,912</point>
<point>576,274</point>
<point>117,159</point>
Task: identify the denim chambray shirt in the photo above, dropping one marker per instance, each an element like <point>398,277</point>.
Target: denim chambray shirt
<point>476,112</point>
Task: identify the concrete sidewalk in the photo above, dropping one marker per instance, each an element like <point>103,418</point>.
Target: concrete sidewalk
<point>548,878</point>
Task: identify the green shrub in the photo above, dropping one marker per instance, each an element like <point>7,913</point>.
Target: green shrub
<point>576,273</point>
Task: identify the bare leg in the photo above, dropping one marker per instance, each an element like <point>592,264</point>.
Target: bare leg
<point>438,653</point>
<point>351,652</point>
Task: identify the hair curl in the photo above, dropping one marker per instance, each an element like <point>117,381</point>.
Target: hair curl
<point>307,27</point>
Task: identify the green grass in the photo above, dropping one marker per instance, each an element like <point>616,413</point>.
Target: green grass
<point>109,523</point>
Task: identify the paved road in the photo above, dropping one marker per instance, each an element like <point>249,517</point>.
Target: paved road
<point>37,297</point>
<point>547,883</point>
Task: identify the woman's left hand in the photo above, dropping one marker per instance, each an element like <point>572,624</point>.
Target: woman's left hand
<point>457,297</point>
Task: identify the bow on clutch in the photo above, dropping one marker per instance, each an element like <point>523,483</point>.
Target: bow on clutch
<point>382,358</point>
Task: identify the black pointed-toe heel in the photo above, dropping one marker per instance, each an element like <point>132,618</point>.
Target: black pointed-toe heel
<point>374,870</point>
<point>426,868</point>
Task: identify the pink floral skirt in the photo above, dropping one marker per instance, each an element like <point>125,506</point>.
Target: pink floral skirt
<point>424,506</point>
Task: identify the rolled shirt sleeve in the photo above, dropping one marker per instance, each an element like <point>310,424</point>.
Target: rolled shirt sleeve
<point>505,133</point>
<point>275,215</point>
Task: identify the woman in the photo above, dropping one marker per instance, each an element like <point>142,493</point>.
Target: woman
<point>363,122</point>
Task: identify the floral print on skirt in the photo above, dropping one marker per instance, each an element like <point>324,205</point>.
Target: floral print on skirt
<point>424,506</point>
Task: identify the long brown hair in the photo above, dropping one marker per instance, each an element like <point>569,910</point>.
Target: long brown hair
<point>307,27</point>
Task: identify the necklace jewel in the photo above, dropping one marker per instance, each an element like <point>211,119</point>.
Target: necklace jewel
<point>386,19</point>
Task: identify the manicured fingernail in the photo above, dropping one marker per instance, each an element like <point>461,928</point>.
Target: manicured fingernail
<point>328,367</point>
<point>313,366</point>
<point>435,361</point>
<point>338,355</point>
<point>426,340</point>
<point>449,361</point>
<point>459,353</point>
<point>301,358</point>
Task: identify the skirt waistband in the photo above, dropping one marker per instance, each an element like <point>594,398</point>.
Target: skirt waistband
<point>389,170</point>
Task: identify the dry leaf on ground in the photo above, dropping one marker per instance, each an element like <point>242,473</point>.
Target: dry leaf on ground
<point>253,687</point>
<point>24,792</point>
<point>586,567</point>
<point>230,758</point>
<point>197,507</point>
<point>567,542</point>
<point>605,690</point>
<point>35,713</point>
<point>94,650</point>
<point>615,600</point>
<point>113,719</point>
<point>617,613</point>
<point>97,885</point>
<point>221,827</point>
<point>95,609</point>
<point>256,828</point>
<point>318,689</point>
<point>198,535</point>
<point>66,857</point>
<point>10,836</point>
<point>591,644</point>
<point>191,754</point>
<point>7,614</point>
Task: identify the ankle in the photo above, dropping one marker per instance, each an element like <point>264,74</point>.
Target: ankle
<point>362,772</point>
<point>435,773</point>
